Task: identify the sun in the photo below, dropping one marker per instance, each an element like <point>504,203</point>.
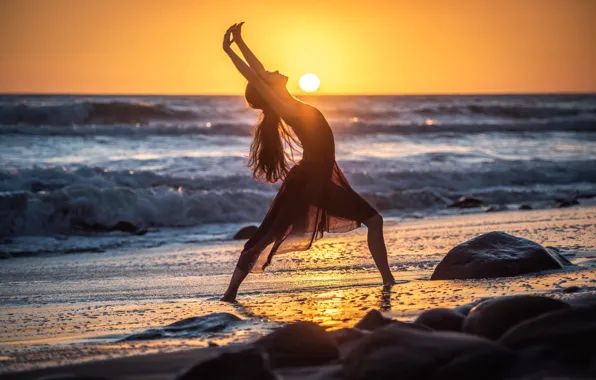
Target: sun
<point>309,83</point>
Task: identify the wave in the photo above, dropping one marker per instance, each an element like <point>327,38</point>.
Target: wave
<point>53,201</point>
<point>91,112</point>
<point>340,129</point>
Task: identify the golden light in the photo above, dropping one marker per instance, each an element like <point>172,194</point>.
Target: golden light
<point>309,83</point>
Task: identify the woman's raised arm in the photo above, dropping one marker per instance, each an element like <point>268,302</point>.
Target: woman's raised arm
<point>286,110</point>
<point>251,59</point>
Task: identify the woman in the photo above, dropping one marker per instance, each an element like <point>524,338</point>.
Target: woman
<point>315,196</point>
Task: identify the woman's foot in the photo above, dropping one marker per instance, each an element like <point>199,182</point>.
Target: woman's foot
<point>229,297</point>
<point>389,281</point>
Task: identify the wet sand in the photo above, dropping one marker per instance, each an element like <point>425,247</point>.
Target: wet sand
<point>75,308</point>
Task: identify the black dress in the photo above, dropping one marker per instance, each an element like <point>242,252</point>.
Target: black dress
<point>314,198</point>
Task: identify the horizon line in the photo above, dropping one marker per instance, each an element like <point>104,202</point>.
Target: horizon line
<point>299,94</point>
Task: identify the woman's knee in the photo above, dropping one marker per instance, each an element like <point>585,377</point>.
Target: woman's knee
<point>374,222</point>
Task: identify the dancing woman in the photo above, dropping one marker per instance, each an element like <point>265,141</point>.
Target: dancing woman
<point>315,196</point>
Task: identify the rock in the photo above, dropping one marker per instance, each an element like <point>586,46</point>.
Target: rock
<point>525,207</point>
<point>496,254</point>
<point>248,364</point>
<point>494,317</point>
<point>299,344</point>
<point>571,289</point>
<point>441,319</point>
<point>561,203</point>
<point>209,323</point>
<point>571,331</point>
<point>466,202</point>
<point>346,335</point>
<point>465,309</point>
<point>396,352</point>
<point>245,233</point>
<point>373,320</point>
<point>5,255</point>
<point>493,208</point>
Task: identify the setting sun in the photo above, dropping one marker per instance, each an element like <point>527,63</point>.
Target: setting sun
<point>309,83</point>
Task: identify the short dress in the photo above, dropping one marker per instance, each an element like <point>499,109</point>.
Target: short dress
<point>314,198</point>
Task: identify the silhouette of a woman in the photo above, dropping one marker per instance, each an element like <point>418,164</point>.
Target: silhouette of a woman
<point>315,196</point>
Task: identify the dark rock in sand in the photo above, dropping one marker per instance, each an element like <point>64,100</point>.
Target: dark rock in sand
<point>571,289</point>
<point>441,319</point>
<point>345,335</point>
<point>396,352</point>
<point>561,203</point>
<point>494,208</point>
<point>373,320</point>
<point>248,364</point>
<point>465,309</point>
<point>204,324</point>
<point>496,254</point>
<point>494,317</point>
<point>571,331</point>
<point>525,207</point>
<point>466,202</point>
<point>299,344</point>
<point>245,233</point>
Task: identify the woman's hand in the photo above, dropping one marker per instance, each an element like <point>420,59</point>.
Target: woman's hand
<point>237,32</point>
<point>227,41</point>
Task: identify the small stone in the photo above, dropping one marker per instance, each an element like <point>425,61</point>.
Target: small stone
<point>246,233</point>
<point>466,202</point>
<point>571,289</point>
<point>441,319</point>
<point>373,320</point>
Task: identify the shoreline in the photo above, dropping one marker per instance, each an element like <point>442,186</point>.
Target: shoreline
<point>333,296</point>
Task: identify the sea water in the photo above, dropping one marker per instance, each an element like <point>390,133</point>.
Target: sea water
<point>73,167</point>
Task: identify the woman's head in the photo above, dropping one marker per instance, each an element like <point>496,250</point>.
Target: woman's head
<point>267,157</point>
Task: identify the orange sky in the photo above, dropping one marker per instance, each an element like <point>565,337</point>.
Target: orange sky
<point>354,46</point>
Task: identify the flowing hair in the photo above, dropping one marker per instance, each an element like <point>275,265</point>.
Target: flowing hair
<point>268,157</point>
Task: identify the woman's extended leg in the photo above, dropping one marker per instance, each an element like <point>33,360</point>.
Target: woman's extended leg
<point>376,245</point>
<point>237,277</point>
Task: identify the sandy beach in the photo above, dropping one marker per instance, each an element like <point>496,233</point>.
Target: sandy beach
<point>67,309</point>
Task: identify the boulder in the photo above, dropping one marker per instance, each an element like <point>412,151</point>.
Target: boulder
<point>466,202</point>
<point>245,233</point>
<point>441,319</point>
<point>247,364</point>
<point>373,320</point>
<point>397,352</point>
<point>569,330</point>
<point>492,318</point>
<point>525,207</point>
<point>497,254</point>
<point>299,344</point>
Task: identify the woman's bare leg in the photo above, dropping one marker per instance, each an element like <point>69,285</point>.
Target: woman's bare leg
<point>376,245</point>
<point>237,277</point>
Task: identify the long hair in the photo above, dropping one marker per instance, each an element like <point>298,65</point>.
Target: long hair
<point>267,158</point>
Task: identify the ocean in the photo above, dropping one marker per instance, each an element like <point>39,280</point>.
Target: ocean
<point>73,167</point>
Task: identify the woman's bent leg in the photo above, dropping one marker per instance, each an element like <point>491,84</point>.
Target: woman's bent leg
<point>376,245</point>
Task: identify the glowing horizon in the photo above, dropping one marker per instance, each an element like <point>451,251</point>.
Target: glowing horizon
<point>384,48</point>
